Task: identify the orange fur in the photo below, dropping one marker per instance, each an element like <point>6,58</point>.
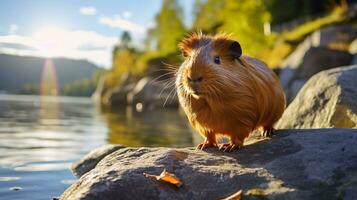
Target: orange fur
<point>234,97</point>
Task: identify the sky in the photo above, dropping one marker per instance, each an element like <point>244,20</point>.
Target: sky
<point>78,29</point>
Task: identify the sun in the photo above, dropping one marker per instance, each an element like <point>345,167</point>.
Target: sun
<point>48,40</point>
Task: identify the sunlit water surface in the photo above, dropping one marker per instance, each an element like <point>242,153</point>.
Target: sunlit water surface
<point>41,136</point>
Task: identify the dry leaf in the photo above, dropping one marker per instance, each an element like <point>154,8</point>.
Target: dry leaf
<point>235,196</point>
<point>166,177</point>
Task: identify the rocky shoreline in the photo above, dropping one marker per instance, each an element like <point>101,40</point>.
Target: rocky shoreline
<point>293,164</point>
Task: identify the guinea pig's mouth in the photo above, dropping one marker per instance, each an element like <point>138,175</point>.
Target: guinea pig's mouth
<point>197,94</point>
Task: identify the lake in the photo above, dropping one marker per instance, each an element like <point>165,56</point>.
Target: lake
<point>40,137</point>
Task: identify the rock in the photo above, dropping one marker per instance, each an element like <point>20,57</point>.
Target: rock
<point>99,91</point>
<point>295,87</point>
<point>354,60</point>
<point>353,47</point>
<point>327,100</point>
<point>335,37</point>
<point>294,164</point>
<point>318,52</point>
<point>293,61</point>
<point>353,50</point>
<point>317,59</point>
<point>148,94</point>
<point>88,162</point>
<point>117,97</point>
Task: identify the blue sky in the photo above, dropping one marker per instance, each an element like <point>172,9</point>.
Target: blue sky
<point>81,29</point>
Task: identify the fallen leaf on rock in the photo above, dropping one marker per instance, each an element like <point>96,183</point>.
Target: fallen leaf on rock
<point>235,196</point>
<point>166,177</point>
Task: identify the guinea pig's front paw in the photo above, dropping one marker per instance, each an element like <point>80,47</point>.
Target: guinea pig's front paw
<point>228,147</point>
<point>268,132</point>
<point>205,144</point>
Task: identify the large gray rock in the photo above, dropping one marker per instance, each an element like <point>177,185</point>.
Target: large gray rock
<point>148,94</point>
<point>117,97</point>
<point>293,61</point>
<point>328,99</point>
<point>353,50</point>
<point>316,53</point>
<point>353,47</point>
<point>335,36</point>
<point>89,161</point>
<point>294,164</point>
<point>316,59</point>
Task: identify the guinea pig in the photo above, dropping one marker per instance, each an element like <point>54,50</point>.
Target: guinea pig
<point>226,93</point>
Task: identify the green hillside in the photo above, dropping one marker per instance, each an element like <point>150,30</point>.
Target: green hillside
<point>23,74</point>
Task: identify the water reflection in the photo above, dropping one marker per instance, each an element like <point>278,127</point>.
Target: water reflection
<point>39,139</point>
<point>161,127</point>
<point>41,136</point>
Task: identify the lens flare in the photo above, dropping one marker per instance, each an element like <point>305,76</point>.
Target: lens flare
<point>49,91</point>
<point>49,84</point>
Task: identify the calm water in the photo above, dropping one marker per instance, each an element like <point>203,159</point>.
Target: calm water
<point>41,136</point>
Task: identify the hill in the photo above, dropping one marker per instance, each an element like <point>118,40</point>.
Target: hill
<point>19,72</point>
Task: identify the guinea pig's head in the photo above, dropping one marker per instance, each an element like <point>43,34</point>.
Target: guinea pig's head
<point>210,66</point>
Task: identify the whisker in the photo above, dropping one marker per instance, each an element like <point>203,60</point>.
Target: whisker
<point>157,78</point>
<point>168,96</point>
<point>167,85</point>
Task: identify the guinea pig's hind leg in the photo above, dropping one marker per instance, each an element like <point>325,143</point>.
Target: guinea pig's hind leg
<point>210,141</point>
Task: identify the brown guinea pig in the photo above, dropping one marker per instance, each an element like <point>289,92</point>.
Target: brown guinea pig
<point>226,93</point>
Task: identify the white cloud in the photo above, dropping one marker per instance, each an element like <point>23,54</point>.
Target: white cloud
<point>89,10</point>
<point>13,29</point>
<point>127,14</point>
<point>119,22</point>
<point>56,42</point>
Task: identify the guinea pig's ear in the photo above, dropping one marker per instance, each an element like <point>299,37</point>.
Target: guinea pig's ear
<point>235,50</point>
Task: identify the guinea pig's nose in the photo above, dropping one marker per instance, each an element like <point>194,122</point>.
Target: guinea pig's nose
<point>196,79</point>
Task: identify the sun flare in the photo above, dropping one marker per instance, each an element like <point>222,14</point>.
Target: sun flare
<point>48,40</point>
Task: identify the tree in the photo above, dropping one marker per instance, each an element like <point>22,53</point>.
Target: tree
<point>285,11</point>
<point>169,28</point>
<point>125,39</point>
<point>206,15</point>
<point>245,20</point>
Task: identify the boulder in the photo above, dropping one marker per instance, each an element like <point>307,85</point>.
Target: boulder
<point>294,164</point>
<point>353,47</point>
<point>316,59</point>
<point>335,36</point>
<point>327,100</point>
<point>117,97</point>
<point>293,61</point>
<point>353,50</point>
<point>148,94</point>
<point>324,49</point>
<point>89,161</point>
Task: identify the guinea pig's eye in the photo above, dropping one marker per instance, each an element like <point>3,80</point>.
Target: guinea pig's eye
<point>217,60</point>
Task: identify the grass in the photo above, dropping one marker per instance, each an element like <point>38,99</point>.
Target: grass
<point>286,41</point>
<point>305,29</point>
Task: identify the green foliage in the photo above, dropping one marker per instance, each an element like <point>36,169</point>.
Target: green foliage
<point>244,20</point>
<point>169,28</point>
<point>160,44</point>
<point>83,87</point>
<point>338,15</point>
<point>29,88</point>
<point>206,14</point>
<point>283,10</point>
<point>125,39</point>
